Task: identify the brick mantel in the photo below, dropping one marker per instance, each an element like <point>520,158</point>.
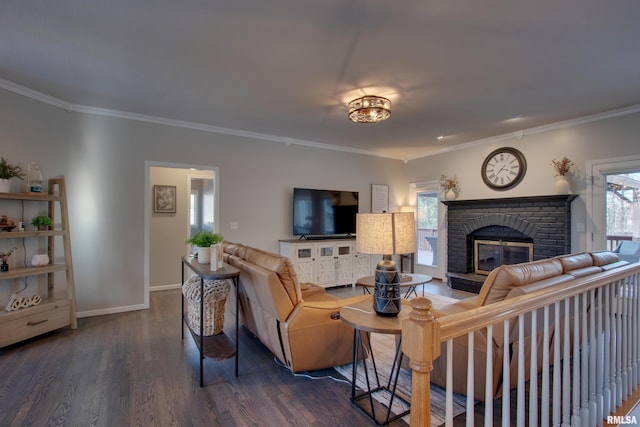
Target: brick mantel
<point>543,220</point>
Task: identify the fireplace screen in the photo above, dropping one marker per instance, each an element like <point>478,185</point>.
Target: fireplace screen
<point>489,254</point>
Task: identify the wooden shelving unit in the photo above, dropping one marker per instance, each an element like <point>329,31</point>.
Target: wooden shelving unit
<point>57,309</point>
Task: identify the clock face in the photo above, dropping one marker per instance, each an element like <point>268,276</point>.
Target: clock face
<point>503,168</point>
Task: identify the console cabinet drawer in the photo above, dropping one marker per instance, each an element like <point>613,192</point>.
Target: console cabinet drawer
<point>58,316</point>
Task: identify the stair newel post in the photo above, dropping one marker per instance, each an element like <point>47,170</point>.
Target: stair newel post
<point>421,343</point>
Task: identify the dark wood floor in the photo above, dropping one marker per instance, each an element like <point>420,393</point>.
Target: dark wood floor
<point>133,369</point>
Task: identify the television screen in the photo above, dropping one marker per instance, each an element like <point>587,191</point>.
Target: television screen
<point>324,212</point>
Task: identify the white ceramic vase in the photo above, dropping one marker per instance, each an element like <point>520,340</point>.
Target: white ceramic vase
<point>5,185</point>
<point>204,255</point>
<point>450,195</point>
<point>216,256</point>
<point>562,185</point>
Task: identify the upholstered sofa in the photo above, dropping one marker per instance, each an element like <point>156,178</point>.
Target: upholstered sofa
<point>299,323</point>
<point>503,283</point>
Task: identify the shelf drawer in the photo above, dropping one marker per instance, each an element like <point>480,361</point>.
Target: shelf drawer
<point>28,326</point>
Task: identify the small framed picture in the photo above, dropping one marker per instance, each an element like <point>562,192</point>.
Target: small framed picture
<point>164,198</point>
<point>379,198</point>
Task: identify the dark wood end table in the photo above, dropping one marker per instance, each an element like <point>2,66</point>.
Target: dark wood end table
<point>218,346</point>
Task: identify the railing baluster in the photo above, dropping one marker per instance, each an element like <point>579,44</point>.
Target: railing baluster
<point>606,392</point>
<point>449,398</point>
<point>470,379</point>
<point>618,342</point>
<point>544,421</point>
<point>488,382</point>
<point>599,358</point>
<point>566,366</point>
<point>533,371</point>
<point>506,377</point>
<point>593,408</point>
<point>584,361</point>
<point>575,418</point>
<point>520,397</point>
<point>556,365</point>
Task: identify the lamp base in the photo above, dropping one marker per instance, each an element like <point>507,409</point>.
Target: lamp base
<point>387,300</point>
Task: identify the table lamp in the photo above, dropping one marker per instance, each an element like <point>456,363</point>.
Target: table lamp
<point>387,234</point>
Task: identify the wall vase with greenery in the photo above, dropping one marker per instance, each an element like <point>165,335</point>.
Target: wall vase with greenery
<point>562,168</point>
<point>203,240</point>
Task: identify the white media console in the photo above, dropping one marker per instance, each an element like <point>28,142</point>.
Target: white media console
<point>328,263</point>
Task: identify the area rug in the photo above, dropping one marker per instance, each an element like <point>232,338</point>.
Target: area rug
<point>384,350</point>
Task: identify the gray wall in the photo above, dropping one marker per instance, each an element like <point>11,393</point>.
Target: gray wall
<point>103,160</point>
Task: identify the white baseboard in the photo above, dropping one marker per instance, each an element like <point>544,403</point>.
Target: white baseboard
<point>112,310</point>
<point>164,287</point>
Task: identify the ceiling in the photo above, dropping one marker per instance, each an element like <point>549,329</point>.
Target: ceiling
<point>283,70</point>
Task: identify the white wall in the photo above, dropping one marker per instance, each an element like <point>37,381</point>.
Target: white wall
<point>603,139</point>
<point>103,160</point>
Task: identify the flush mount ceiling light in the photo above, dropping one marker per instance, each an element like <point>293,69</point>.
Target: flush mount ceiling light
<point>369,109</point>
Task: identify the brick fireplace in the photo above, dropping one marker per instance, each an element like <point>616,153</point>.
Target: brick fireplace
<point>540,222</point>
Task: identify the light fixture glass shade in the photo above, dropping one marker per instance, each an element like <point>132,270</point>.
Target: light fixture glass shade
<point>369,109</point>
<point>386,233</point>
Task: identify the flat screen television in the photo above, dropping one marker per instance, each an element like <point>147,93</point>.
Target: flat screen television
<point>324,212</point>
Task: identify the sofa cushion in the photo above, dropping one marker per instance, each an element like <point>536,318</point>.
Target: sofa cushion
<point>575,261</point>
<point>281,266</point>
<point>501,280</point>
<point>603,258</point>
<point>236,249</point>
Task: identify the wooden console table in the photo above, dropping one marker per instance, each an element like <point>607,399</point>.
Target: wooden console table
<point>218,347</point>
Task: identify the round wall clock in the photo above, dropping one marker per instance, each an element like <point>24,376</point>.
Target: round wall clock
<point>503,168</point>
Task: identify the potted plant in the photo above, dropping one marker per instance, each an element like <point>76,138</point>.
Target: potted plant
<point>7,172</point>
<point>203,241</point>
<point>42,222</point>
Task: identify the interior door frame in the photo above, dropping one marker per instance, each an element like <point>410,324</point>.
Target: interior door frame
<point>148,164</point>
<point>596,195</point>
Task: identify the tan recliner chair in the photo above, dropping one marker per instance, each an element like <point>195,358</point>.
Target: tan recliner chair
<point>299,323</point>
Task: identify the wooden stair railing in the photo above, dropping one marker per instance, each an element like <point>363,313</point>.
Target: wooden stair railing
<point>422,336</point>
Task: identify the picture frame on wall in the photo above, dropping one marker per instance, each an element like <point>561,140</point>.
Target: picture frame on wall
<point>379,198</point>
<point>164,198</point>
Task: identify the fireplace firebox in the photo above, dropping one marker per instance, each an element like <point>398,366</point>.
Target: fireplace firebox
<point>489,254</point>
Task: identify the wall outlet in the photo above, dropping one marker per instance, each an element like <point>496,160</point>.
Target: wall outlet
<point>234,225</point>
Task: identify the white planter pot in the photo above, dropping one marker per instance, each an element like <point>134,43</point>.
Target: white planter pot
<point>562,185</point>
<point>5,185</point>
<point>204,255</point>
<point>451,195</point>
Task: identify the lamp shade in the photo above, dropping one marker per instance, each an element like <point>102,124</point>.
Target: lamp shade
<point>386,233</point>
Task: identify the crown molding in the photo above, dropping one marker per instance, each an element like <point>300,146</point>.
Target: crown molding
<point>69,107</point>
<point>539,129</point>
<point>30,93</point>
<point>86,109</point>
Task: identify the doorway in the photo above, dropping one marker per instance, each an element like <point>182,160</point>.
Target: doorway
<point>166,232</point>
